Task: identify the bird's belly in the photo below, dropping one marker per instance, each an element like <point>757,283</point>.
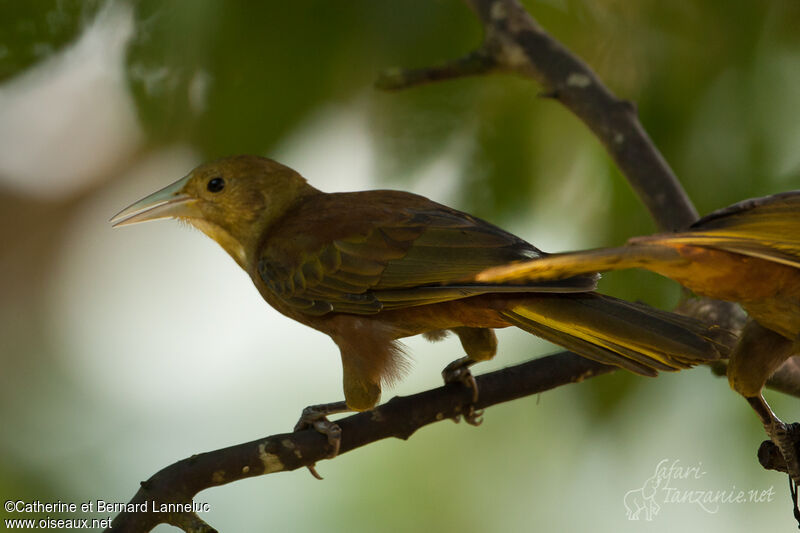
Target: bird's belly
<point>768,291</point>
<point>474,312</point>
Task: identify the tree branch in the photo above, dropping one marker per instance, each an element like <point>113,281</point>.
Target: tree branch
<point>400,417</point>
<point>514,42</point>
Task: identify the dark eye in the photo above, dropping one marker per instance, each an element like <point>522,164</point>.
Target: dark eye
<point>215,184</point>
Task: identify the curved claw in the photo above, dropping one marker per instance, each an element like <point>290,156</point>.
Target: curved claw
<point>316,416</point>
<point>313,469</point>
<point>474,417</point>
<point>332,431</point>
<point>458,372</point>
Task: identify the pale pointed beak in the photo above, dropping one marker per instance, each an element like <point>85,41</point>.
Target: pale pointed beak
<point>168,202</point>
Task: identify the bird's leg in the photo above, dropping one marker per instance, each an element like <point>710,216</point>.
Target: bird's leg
<point>480,345</point>
<point>785,437</point>
<point>316,416</point>
<point>458,372</point>
<point>782,434</point>
<point>755,357</point>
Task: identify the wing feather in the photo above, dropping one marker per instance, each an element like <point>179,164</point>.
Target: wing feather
<point>364,252</point>
<point>767,228</point>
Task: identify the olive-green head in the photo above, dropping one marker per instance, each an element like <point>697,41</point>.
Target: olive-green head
<point>232,200</point>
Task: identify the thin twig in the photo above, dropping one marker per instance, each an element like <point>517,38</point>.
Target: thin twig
<point>473,64</point>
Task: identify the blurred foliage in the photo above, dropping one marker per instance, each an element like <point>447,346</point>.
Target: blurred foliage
<point>248,54</point>
<point>237,76</point>
<point>715,83</point>
<point>33,30</point>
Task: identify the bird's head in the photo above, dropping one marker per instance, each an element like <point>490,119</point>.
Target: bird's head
<point>232,200</point>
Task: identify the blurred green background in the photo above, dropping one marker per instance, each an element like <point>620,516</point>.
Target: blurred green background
<point>125,350</point>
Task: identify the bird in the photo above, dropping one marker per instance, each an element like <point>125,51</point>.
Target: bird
<point>371,267</point>
<point>748,253</point>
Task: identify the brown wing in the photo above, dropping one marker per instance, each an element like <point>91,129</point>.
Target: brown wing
<point>368,251</point>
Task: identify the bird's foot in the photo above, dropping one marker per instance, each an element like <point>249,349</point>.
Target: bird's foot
<point>458,372</point>
<point>782,450</point>
<point>785,437</point>
<point>316,416</point>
